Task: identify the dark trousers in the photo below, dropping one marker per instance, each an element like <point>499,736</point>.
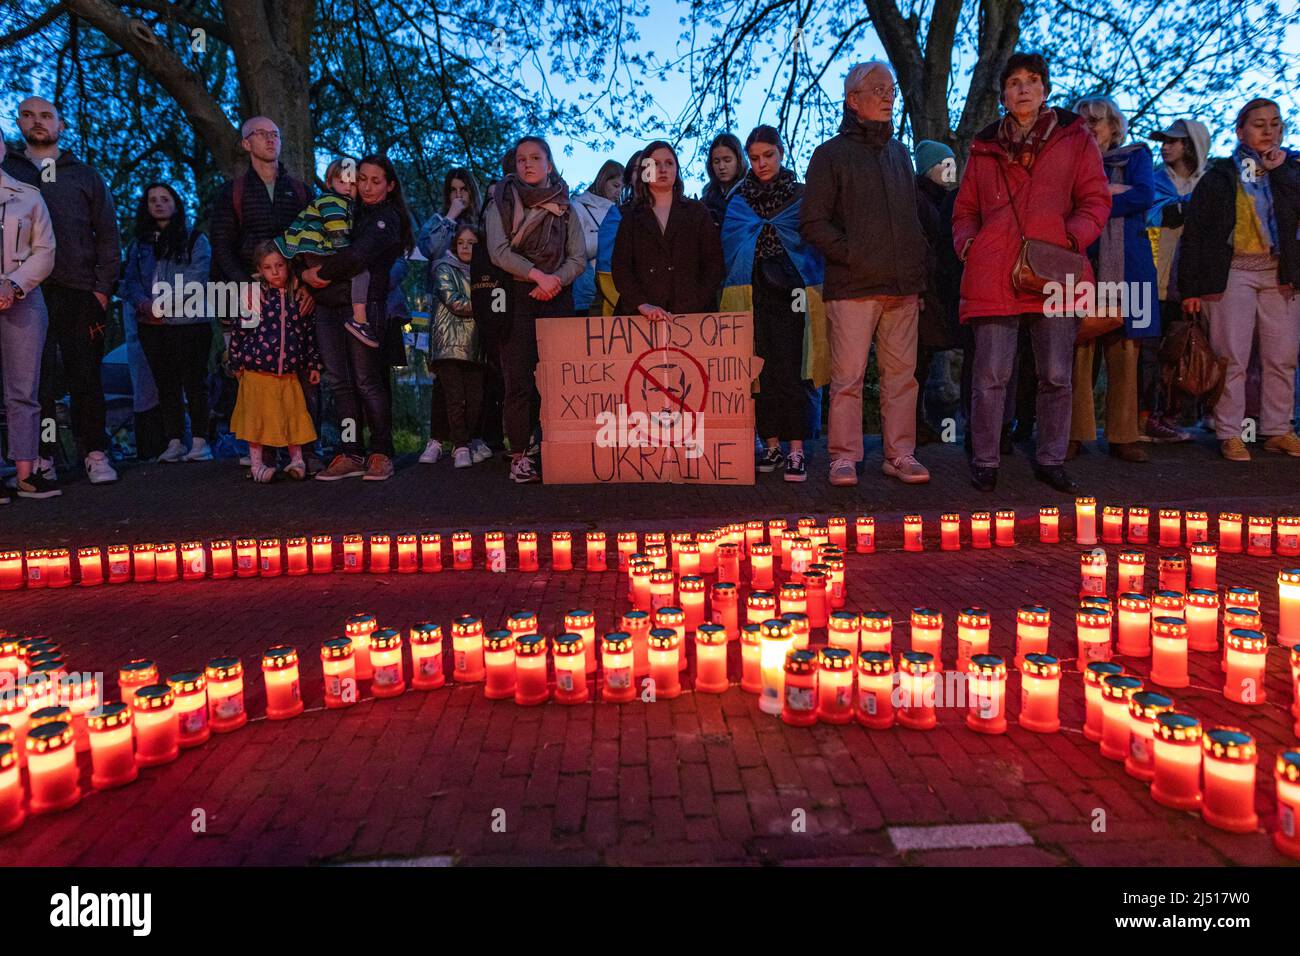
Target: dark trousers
<point>438,425</point>
<point>519,362</point>
<point>462,386</point>
<point>76,334</point>
<point>178,359</point>
<point>357,378</point>
<point>780,410</point>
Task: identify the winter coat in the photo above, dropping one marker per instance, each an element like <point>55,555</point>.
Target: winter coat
<point>235,236</point>
<point>1131,166</point>
<point>375,244</point>
<point>1205,253</point>
<point>1064,199</point>
<point>453,334</point>
<point>283,342</point>
<point>28,253</point>
<point>715,199</point>
<point>87,252</point>
<point>679,269</point>
<point>142,269</point>
<point>859,210</point>
<point>937,323</point>
<point>591,211</point>
<point>1169,211</point>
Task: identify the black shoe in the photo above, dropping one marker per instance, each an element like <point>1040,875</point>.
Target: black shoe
<point>772,460</point>
<point>984,479</point>
<point>1055,476</point>
<point>37,485</point>
<point>794,467</point>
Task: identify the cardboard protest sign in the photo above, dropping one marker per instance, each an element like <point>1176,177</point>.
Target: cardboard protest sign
<point>629,399</point>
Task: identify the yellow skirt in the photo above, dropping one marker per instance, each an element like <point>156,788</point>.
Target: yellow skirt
<point>270,410</point>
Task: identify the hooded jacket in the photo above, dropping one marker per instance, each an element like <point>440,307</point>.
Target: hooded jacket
<point>1063,198</point>
<point>591,211</point>
<point>453,333</point>
<point>1173,193</point>
<point>28,251</point>
<point>87,249</point>
<point>859,210</point>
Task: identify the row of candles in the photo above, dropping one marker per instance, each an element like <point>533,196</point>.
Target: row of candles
<point>412,553</point>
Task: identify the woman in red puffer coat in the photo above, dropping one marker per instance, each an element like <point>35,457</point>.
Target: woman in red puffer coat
<point>1046,159</point>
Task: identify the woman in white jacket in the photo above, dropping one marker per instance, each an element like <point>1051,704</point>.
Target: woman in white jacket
<point>26,258</point>
<point>591,207</point>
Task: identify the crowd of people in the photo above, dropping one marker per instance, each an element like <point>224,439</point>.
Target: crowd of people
<point>1005,260</point>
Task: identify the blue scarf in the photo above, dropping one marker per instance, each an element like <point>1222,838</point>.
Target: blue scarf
<point>740,236</point>
<point>1258,188</point>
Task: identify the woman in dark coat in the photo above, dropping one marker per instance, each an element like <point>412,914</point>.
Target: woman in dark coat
<point>726,167</point>
<point>667,256</point>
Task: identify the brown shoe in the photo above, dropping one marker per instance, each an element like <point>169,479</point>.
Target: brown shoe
<point>1234,449</point>
<point>1287,444</point>
<point>343,466</point>
<point>378,468</point>
<point>1128,451</point>
<point>1072,450</point>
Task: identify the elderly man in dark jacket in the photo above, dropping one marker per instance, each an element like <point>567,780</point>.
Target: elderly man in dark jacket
<point>859,210</point>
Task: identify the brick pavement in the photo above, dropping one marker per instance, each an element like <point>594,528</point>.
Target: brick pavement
<point>700,779</point>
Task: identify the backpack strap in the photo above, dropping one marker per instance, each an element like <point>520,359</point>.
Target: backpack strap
<point>237,195</point>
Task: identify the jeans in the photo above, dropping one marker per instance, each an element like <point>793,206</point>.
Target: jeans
<point>178,359</point>
<point>462,383</point>
<point>357,377</point>
<point>77,326</point>
<point>519,362</point>
<point>22,337</point>
<point>996,339</point>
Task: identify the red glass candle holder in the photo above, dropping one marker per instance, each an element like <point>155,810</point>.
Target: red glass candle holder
<point>799,708</point>
<point>949,532</point>
<point>876,632</point>
<point>875,708</point>
<point>1033,625</point>
<point>981,526</point>
<point>927,634</point>
<point>1040,693</point>
<point>381,554</point>
<point>51,768</point>
<point>359,627</point>
<point>1134,625</point>
<point>1049,524</point>
<point>354,547</point>
<point>112,749</point>
<point>1112,525</point>
<point>157,731</point>
<point>1092,629</point>
<point>1092,574</point>
<point>596,551</point>
<point>1229,532</point>
<point>225,694</point>
<point>627,547</point>
<point>837,530</point>
<point>1204,563</point>
<point>1176,780</point>
<point>531,687</point>
<point>426,656</point>
<point>190,690</point>
<point>725,607</point>
<point>1288,607</point>
<point>1143,709</point>
<point>1198,527</point>
<point>408,554</point>
<point>1169,604</point>
<point>1093,675</point>
<point>1139,525</point>
<point>662,588</point>
<point>1004,529</point>
<point>664,651</point>
<point>864,535</point>
<point>339,666</point>
<point>1171,527</point>
<point>775,644</point>
<point>1172,574</point>
<point>1116,727</point>
<point>570,669</point>
<point>973,626</point>
<point>283,689</point>
<point>1201,611</point>
<point>1228,798</point>
<point>322,554</point>
<point>673,618</point>
<point>467,649</point>
<point>916,691</point>
<point>245,558</point>
<point>90,567</point>
<point>912,533</point>
<point>561,551</point>
<point>616,666</point>
<point>637,624</point>
<point>1286,776</point>
<point>751,669</point>
<point>119,562</point>
<point>842,631</point>
<point>1259,541</point>
<point>986,711</point>
<point>711,659</point>
<point>1247,652</point>
<point>389,677</point>
<point>1288,536</point>
<point>296,557</point>
<point>583,623</point>
<point>1169,652</point>
<point>268,558</point>
<point>1085,521</point>
<point>430,553</point>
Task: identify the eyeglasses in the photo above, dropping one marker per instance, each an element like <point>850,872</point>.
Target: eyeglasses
<point>880,92</point>
<point>265,133</point>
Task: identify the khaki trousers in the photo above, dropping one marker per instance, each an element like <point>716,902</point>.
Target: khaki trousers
<point>1121,357</point>
<point>889,321</point>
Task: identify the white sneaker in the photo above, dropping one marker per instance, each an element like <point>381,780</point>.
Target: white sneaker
<point>906,469</point>
<point>46,467</point>
<point>98,469</point>
<point>432,452</point>
<point>245,461</point>
<point>174,453</point>
<point>461,457</point>
<point>479,451</point>
<point>201,451</point>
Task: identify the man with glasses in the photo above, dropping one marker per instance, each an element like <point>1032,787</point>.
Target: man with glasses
<point>860,211</point>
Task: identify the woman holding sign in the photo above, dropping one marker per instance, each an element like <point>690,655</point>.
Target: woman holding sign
<point>667,259</point>
<point>532,234</point>
<point>774,273</point>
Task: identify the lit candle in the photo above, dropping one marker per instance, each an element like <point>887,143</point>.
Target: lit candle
<point>639,592</point>
<point>675,542</point>
<point>1112,525</point>
<point>753,534</point>
<point>359,627</point>
<point>794,599</point>
<point>616,663</point>
<point>1177,772</point>
<point>426,656</point>
<point>339,666</point>
<point>119,562</point>
<point>927,634</point>
<point>1116,724</point>
<point>1204,566</point>
<point>430,553</point>
<point>269,563</point>
<point>691,598</point>
<point>530,671</point>
<point>462,551</point>
<point>11,570</point>
<point>561,551</point>
<point>1085,520</point>
<point>1033,624</point>
<point>1295,687</point>
<point>981,523</point>
<point>157,731</point>
<point>800,702</point>
<point>112,752</point>
<point>1040,693</point>
<point>353,552</point>
<point>837,529</point>
<point>751,670</point>
<point>725,604</point>
<point>654,538</point>
<point>295,550</point>
<point>1238,596</point>
<point>665,648</point>
<point>1171,527</point>
<point>280,673</point>
<point>875,708</point>
<point>661,588</point>
<point>658,555</point>
<point>1286,775</point>
<point>526,545</point>
<point>775,644</point>
<point>801,555</point>
<point>834,685</point>
<point>627,547</point>
<point>637,624</point>
<point>583,623</point>
<point>571,669</point>
<point>1229,532</point>
<point>864,535</point>
<point>1169,604</point>
<point>1092,573</point>
<point>1049,524</point>
<point>760,566</point>
<point>986,709</point>
<point>1134,625</point>
<point>674,618</point>
<point>1092,627</point>
<point>912,533</point>
<point>595,551</point>
<point>90,567</point>
<point>876,632</point>
<point>916,691</point>
<point>225,694</point>
<point>837,591</point>
<point>805,525</point>
<point>1288,607</point>
<point>1201,612</point>
<point>1228,801</point>
<point>386,659</point>
<point>52,768</point>
<point>1247,652</point>
<point>9,660</point>
<point>35,562</point>
<point>1172,574</point>
<point>949,532</point>
<point>1288,536</point>
<point>133,675</point>
<point>1139,525</point>
<point>522,622</point>
<point>759,607</point>
<point>815,588</point>
<point>12,813</point>
<point>408,554</point>
<point>322,554</point>
<point>1144,709</point>
<point>381,547</point>
<point>1169,652</point>
<point>1004,526</point>
<point>728,558</point>
<point>1198,527</point>
<point>973,625</point>
<point>467,649</point>
<point>190,689</point>
<point>842,631</point>
<point>1247,618</point>
<point>1260,540</point>
<point>1093,675</point>
<point>80,692</point>
<point>58,567</point>
<point>711,659</point>
<point>245,558</point>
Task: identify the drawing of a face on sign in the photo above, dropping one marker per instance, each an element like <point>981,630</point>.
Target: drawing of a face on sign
<point>666,380</point>
<point>670,389</point>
